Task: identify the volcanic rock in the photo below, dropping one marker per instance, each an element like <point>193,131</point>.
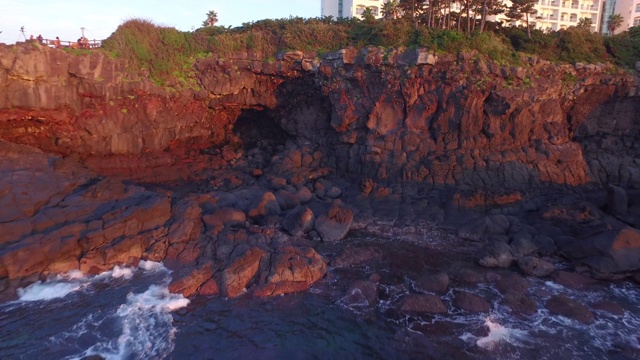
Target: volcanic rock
<point>420,304</point>
<point>471,302</point>
<point>436,283</point>
<point>565,306</point>
<point>336,223</point>
<point>535,266</point>
<point>362,293</point>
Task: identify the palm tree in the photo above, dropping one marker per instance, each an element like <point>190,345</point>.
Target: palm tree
<point>367,16</point>
<point>615,21</point>
<point>212,18</point>
<point>391,9</point>
<point>584,23</point>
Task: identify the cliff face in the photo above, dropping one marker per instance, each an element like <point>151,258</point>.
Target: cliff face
<point>375,114</point>
<point>416,134</point>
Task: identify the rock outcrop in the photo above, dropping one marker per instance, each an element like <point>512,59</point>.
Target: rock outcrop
<point>230,184</point>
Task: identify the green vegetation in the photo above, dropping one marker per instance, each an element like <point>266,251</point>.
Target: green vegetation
<point>169,54</point>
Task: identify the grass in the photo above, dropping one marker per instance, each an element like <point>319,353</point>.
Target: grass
<point>169,54</point>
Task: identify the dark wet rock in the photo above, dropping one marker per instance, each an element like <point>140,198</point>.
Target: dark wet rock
<point>277,183</point>
<point>534,266</point>
<point>298,221</point>
<point>225,217</point>
<point>362,293</point>
<point>375,277</point>
<point>265,210</point>
<point>92,357</point>
<point>522,244</point>
<point>496,255</point>
<point>520,303</point>
<point>636,277</point>
<point>286,200</point>
<point>352,255</point>
<point>333,192</point>
<point>513,283</point>
<point>304,195</point>
<point>469,276</point>
<point>609,306</point>
<point>617,200</point>
<point>436,283</point>
<point>572,280</point>
<point>565,306</point>
<point>614,249</point>
<point>478,229</point>
<point>186,281</point>
<point>546,246</point>
<point>336,223</point>
<point>493,277</point>
<point>471,302</point>
<point>420,304</point>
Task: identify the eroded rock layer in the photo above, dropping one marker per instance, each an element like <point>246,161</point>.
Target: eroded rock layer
<point>232,183</point>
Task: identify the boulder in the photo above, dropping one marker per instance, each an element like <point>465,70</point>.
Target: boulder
<point>567,307</point>
<point>522,244</point>
<point>436,283</point>
<point>512,283</point>
<point>225,217</point>
<point>617,200</point>
<point>520,303</point>
<point>470,276</point>
<point>298,221</point>
<point>291,269</point>
<point>286,200</point>
<point>186,281</point>
<point>362,293</point>
<point>304,195</point>
<point>471,302</point>
<point>336,223</point>
<point>421,304</point>
<point>609,306</point>
<point>545,245</point>
<point>615,249</point>
<point>496,255</point>
<point>237,275</point>
<point>534,266</point>
<point>265,210</point>
<point>572,280</point>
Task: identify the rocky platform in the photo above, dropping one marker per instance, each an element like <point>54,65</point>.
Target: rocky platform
<point>234,184</point>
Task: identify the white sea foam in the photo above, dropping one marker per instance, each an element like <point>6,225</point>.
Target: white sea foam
<point>150,265</point>
<point>497,334</point>
<point>40,291</point>
<point>147,326</point>
<point>122,272</point>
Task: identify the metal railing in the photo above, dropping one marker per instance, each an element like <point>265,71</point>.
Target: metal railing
<point>87,44</point>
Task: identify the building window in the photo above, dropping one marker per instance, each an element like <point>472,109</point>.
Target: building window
<point>360,9</point>
<point>636,21</point>
<point>637,7</point>
<point>374,10</point>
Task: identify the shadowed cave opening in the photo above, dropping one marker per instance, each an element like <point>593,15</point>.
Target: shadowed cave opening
<point>257,130</point>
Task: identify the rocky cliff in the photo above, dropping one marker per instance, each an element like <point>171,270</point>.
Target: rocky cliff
<point>237,174</point>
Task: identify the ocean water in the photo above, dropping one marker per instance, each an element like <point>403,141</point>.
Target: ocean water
<point>127,313</point>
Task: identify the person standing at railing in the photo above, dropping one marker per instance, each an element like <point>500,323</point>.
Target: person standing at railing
<point>40,39</point>
<point>57,43</point>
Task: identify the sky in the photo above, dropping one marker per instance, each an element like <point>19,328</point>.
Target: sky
<point>65,18</point>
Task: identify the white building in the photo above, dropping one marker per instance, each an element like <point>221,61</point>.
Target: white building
<point>630,12</point>
<point>561,14</point>
<point>551,15</point>
<point>351,8</point>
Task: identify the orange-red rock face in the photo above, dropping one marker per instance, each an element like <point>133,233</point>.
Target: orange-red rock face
<point>397,122</point>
